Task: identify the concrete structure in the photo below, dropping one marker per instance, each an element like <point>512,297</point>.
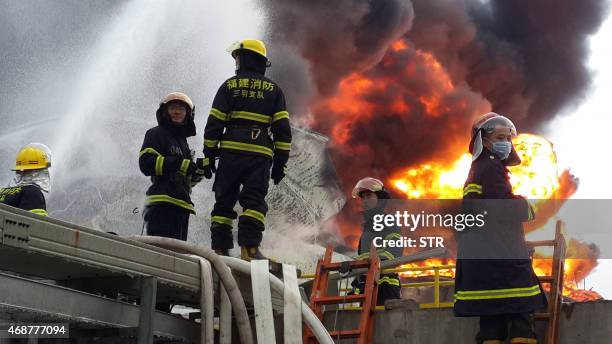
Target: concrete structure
<point>581,323</point>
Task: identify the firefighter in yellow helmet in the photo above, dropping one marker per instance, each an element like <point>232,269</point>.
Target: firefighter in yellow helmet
<point>166,158</point>
<point>31,179</point>
<point>373,198</point>
<point>248,131</point>
<point>494,278</point>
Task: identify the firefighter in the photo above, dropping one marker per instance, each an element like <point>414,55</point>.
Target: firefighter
<point>248,131</point>
<point>31,180</point>
<point>374,196</point>
<point>165,157</point>
<point>494,278</point>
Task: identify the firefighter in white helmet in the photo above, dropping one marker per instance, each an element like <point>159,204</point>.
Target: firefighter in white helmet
<point>166,158</point>
<point>31,179</point>
<point>495,279</point>
<point>373,196</point>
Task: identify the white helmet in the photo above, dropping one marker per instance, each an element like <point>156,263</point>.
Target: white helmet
<point>180,97</point>
<point>369,184</point>
<point>487,123</point>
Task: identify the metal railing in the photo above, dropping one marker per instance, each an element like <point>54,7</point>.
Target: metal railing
<point>436,283</point>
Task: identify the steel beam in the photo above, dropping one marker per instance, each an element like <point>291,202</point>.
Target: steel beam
<point>148,296</point>
<point>27,300</point>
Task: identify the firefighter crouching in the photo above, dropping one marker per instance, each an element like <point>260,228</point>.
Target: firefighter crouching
<point>248,131</point>
<point>494,278</point>
<point>31,180</point>
<point>165,157</point>
<point>374,196</point>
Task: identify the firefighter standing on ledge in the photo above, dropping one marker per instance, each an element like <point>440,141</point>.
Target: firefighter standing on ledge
<point>247,108</point>
<point>374,197</point>
<point>165,157</point>
<point>494,277</point>
<point>31,179</point>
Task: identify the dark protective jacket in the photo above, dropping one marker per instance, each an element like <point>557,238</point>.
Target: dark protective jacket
<point>248,108</point>
<point>384,253</point>
<point>494,270</point>
<point>165,157</point>
<point>26,197</point>
<point>369,234</point>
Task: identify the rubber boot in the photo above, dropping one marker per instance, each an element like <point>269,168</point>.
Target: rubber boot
<point>253,253</point>
<point>522,329</point>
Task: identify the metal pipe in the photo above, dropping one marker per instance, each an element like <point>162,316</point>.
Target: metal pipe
<point>427,284</point>
<point>437,288</point>
<point>388,264</point>
<point>420,268</point>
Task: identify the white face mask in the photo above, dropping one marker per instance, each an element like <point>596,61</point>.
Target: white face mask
<point>41,178</point>
<point>502,149</point>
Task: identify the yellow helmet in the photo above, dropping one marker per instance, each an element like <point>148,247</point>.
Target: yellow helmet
<point>178,96</point>
<point>34,156</point>
<point>253,45</point>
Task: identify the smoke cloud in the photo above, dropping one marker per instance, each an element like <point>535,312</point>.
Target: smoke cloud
<point>398,83</point>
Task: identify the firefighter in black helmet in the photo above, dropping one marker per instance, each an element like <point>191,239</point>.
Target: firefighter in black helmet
<point>165,157</point>
<point>494,277</point>
<point>31,180</point>
<point>248,130</point>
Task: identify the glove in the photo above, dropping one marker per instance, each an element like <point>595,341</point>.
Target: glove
<point>195,180</point>
<point>278,173</point>
<point>197,175</point>
<point>530,212</point>
<point>190,174</point>
<point>206,167</point>
<point>191,169</point>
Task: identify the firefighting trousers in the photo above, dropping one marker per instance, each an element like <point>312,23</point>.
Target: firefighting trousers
<point>495,327</point>
<point>243,178</point>
<point>388,289</point>
<point>167,220</point>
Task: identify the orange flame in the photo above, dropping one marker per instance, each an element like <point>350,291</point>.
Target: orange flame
<point>433,180</point>
<point>354,105</point>
<point>399,45</point>
<point>535,178</point>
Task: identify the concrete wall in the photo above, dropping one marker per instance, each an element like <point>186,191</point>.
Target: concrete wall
<point>581,323</point>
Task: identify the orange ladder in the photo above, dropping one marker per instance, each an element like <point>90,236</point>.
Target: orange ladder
<point>555,294</point>
<point>319,297</point>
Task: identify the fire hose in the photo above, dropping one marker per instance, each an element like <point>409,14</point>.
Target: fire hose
<point>227,279</point>
<point>308,315</point>
<point>207,306</point>
<point>221,264</point>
